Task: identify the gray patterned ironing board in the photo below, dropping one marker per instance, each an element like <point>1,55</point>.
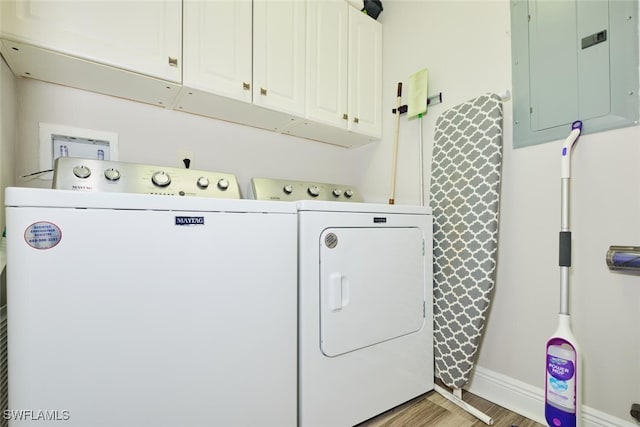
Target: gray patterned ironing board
<point>465,196</point>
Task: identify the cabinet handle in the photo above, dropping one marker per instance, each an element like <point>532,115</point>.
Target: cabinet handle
<point>173,62</point>
<point>345,116</point>
<point>246,86</point>
<point>355,120</point>
<point>263,91</point>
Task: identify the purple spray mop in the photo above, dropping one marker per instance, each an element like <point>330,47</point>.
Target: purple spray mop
<point>563,382</point>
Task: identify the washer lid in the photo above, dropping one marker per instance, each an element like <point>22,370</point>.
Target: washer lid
<point>372,286</point>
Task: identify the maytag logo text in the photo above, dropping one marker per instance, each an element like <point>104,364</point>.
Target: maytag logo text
<point>189,220</point>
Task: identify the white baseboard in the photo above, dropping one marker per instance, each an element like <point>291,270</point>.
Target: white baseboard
<point>528,401</point>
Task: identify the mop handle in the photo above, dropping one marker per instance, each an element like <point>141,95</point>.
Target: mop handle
<point>565,166</point>
<point>395,146</point>
<point>565,172</point>
<point>564,259</point>
<point>421,164</point>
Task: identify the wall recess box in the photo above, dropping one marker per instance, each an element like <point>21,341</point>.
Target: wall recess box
<point>59,140</point>
<point>573,60</point>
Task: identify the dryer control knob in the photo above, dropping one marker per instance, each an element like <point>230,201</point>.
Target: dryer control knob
<point>161,179</point>
<point>223,184</point>
<point>82,172</point>
<point>337,192</point>
<point>288,189</point>
<point>313,191</point>
<point>112,174</point>
<point>348,194</point>
<point>203,182</point>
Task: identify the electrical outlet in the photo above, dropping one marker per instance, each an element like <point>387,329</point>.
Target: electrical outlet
<point>185,154</point>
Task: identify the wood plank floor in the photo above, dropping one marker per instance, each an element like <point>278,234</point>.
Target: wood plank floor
<point>433,410</point>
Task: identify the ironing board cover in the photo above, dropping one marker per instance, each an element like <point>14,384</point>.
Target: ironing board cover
<point>465,195</point>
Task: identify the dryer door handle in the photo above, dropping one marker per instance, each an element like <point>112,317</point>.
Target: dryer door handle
<point>338,291</point>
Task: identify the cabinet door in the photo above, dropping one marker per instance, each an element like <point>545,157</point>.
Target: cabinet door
<point>327,47</point>
<point>140,36</point>
<point>217,47</point>
<point>365,74</point>
<point>279,33</point>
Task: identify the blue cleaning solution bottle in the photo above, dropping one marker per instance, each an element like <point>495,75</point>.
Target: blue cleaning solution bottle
<point>561,386</point>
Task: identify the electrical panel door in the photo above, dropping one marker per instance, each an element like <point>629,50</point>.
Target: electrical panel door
<point>573,60</point>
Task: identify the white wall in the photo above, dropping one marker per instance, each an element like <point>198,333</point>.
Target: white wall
<point>466,46</point>
<point>149,134</point>
<point>8,119</point>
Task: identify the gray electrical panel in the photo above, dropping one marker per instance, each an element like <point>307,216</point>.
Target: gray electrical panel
<point>573,60</point>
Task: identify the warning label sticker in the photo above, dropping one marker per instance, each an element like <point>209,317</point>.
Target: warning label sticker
<point>42,235</point>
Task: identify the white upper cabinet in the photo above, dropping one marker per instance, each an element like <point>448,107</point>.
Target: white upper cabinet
<point>310,68</point>
<point>279,33</point>
<point>327,57</point>
<point>344,67</point>
<point>140,36</point>
<point>217,51</point>
<point>222,77</point>
<point>365,74</point>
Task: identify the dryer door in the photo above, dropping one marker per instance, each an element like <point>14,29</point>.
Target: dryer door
<point>372,285</point>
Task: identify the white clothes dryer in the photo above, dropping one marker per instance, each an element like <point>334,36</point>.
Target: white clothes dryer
<point>365,310</point>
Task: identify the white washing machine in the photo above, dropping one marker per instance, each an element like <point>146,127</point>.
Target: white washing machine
<point>365,341</point>
<point>150,310</point>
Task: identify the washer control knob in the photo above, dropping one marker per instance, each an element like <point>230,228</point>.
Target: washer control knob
<point>203,182</point>
<point>313,191</point>
<point>348,193</point>
<point>337,192</point>
<point>288,189</point>
<point>161,179</point>
<point>82,172</point>
<point>223,184</point>
<point>112,174</point>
